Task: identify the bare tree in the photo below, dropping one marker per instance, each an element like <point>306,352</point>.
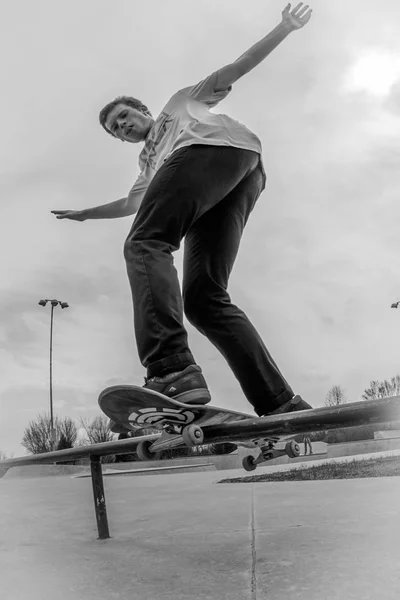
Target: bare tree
<point>335,396</point>
<point>3,455</point>
<point>37,436</point>
<point>67,434</point>
<point>97,430</point>
<point>383,389</point>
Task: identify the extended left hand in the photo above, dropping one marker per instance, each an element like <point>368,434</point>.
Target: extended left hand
<point>298,17</point>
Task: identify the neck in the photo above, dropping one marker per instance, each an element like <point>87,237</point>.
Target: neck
<point>149,129</point>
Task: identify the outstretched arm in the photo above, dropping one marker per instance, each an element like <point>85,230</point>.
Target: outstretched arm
<point>113,210</point>
<point>291,20</point>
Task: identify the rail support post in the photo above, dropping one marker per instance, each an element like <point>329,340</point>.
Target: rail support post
<point>99,497</point>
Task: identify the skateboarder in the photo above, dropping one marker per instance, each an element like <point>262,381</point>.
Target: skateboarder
<point>201,175</point>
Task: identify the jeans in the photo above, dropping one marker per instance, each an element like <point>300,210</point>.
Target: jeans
<point>204,194</point>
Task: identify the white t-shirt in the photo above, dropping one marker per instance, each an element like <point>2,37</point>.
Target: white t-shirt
<point>186,120</point>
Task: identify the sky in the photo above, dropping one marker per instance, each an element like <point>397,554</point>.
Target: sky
<point>319,262</point>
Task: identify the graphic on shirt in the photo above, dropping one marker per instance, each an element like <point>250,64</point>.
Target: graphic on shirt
<point>159,129</point>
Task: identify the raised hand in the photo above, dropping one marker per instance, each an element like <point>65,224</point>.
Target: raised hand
<point>298,17</point>
<point>74,215</point>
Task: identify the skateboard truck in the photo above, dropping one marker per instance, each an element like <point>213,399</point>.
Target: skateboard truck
<point>192,436</point>
<point>268,452</point>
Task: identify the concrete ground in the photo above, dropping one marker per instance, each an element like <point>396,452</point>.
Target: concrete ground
<point>181,536</point>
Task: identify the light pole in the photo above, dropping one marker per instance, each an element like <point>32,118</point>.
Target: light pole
<point>53,303</point>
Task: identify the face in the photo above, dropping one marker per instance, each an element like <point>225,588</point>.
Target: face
<point>128,124</point>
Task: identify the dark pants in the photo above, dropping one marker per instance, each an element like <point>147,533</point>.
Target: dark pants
<point>205,194</point>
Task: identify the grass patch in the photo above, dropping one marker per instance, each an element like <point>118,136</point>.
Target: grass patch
<point>355,469</point>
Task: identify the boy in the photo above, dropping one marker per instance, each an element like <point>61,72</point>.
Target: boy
<point>200,176</point>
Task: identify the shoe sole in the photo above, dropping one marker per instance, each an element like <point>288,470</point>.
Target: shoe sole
<point>199,396</point>
<point>293,405</point>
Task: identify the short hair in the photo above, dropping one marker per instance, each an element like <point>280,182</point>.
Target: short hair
<point>129,101</point>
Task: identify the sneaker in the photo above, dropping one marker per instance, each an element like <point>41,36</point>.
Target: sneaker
<point>187,386</point>
<point>295,404</point>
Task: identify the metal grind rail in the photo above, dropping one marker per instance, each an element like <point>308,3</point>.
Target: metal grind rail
<point>373,412</point>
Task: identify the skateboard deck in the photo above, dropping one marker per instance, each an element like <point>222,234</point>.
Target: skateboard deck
<point>131,407</point>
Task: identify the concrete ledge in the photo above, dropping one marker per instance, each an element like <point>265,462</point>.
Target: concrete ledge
<point>362,447</point>
<point>221,462</point>
<point>154,470</point>
<point>3,471</point>
<point>43,471</point>
<point>386,434</point>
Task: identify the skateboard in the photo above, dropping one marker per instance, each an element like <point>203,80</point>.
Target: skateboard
<point>131,407</point>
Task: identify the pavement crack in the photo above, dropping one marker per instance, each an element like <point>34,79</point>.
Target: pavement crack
<point>253,549</point>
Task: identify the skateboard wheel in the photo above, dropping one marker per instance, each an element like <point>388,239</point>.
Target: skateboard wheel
<point>292,449</point>
<point>143,451</point>
<point>249,463</point>
<point>193,435</point>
